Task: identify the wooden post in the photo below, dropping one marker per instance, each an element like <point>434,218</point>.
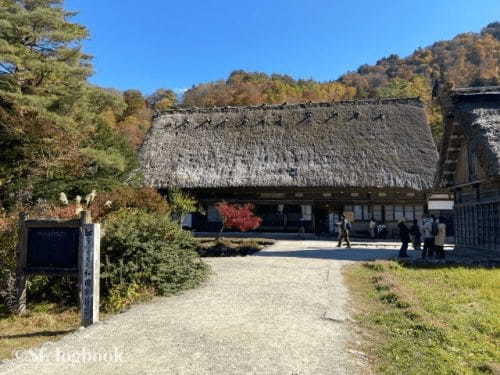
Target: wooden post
<point>21,264</point>
<point>89,267</point>
<point>85,217</point>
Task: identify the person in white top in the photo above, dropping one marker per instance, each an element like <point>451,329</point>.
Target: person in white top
<point>428,233</point>
<point>372,226</point>
<point>440,238</point>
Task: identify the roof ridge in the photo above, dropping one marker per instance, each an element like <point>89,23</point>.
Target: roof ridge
<point>404,100</point>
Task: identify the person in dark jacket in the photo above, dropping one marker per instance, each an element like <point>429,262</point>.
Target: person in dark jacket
<point>345,228</point>
<point>404,234</point>
<point>416,235</point>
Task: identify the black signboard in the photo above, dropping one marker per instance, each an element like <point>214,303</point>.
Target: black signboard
<point>52,249</point>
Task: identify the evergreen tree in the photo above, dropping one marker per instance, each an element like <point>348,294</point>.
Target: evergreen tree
<point>42,67</point>
<point>56,131</point>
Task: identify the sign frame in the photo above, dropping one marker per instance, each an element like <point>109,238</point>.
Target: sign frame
<point>48,224</point>
<point>87,266</point>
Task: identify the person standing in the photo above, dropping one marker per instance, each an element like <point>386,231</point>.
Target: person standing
<point>440,238</point>
<point>427,231</point>
<point>416,235</point>
<point>344,231</point>
<point>372,226</point>
<point>404,235</point>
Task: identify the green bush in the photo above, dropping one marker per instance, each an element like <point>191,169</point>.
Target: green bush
<point>150,251</point>
<point>8,243</point>
<point>122,296</point>
<point>62,290</point>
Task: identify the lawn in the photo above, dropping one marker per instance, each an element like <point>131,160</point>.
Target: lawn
<point>427,319</point>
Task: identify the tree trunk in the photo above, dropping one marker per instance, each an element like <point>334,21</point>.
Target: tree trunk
<point>220,233</point>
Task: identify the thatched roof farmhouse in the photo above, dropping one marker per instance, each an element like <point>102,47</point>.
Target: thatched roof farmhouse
<point>334,155</point>
<point>470,165</point>
<point>382,143</point>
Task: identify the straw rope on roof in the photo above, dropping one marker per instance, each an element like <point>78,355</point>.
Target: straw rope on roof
<point>473,118</point>
<point>367,143</point>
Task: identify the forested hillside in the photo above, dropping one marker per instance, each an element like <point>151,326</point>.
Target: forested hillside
<point>470,59</point>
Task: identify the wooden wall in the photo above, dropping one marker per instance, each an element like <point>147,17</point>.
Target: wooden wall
<point>477,217</point>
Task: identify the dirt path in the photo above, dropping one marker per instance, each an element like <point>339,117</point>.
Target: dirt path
<point>279,312</point>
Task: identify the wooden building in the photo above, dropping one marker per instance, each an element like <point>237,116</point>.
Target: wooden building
<point>300,164</point>
<point>470,165</point>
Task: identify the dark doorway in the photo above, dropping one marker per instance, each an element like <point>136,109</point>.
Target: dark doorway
<point>321,220</point>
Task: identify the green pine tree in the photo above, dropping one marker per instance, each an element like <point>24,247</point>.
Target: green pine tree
<point>55,128</point>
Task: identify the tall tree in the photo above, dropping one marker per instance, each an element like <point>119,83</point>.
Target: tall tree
<point>416,86</point>
<point>54,135</point>
<point>162,99</point>
<point>42,66</point>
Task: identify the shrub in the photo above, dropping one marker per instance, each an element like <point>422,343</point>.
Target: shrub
<point>150,251</point>
<point>62,290</point>
<point>122,296</point>
<point>145,198</point>
<point>8,243</point>
<point>181,203</point>
<point>54,210</point>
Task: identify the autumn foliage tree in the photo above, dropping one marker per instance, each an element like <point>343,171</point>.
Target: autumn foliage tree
<point>237,216</point>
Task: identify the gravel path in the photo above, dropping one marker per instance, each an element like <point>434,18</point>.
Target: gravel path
<point>279,312</point>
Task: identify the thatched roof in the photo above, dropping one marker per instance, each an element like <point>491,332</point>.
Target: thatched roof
<point>369,143</point>
<point>472,118</point>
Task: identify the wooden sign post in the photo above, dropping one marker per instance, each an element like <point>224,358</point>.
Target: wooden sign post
<point>89,274</point>
<point>60,247</point>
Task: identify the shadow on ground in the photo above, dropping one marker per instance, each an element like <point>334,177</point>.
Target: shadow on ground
<point>36,334</point>
<point>308,250</point>
<point>352,254</point>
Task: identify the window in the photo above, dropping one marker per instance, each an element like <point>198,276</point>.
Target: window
<point>377,213</point>
<point>367,215</point>
<point>361,212</point>
<point>306,212</point>
<point>409,213</point>
<point>358,212</point>
<point>389,213</point>
<point>398,213</point>
<point>419,212</point>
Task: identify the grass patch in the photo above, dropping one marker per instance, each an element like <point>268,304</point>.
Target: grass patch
<point>230,247</point>
<point>44,322</point>
<point>427,320</point>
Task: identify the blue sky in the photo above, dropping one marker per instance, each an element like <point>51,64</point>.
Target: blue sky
<point>150,44</point>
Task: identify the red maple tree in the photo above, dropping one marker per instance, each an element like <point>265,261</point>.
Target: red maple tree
<point>238,216</point>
